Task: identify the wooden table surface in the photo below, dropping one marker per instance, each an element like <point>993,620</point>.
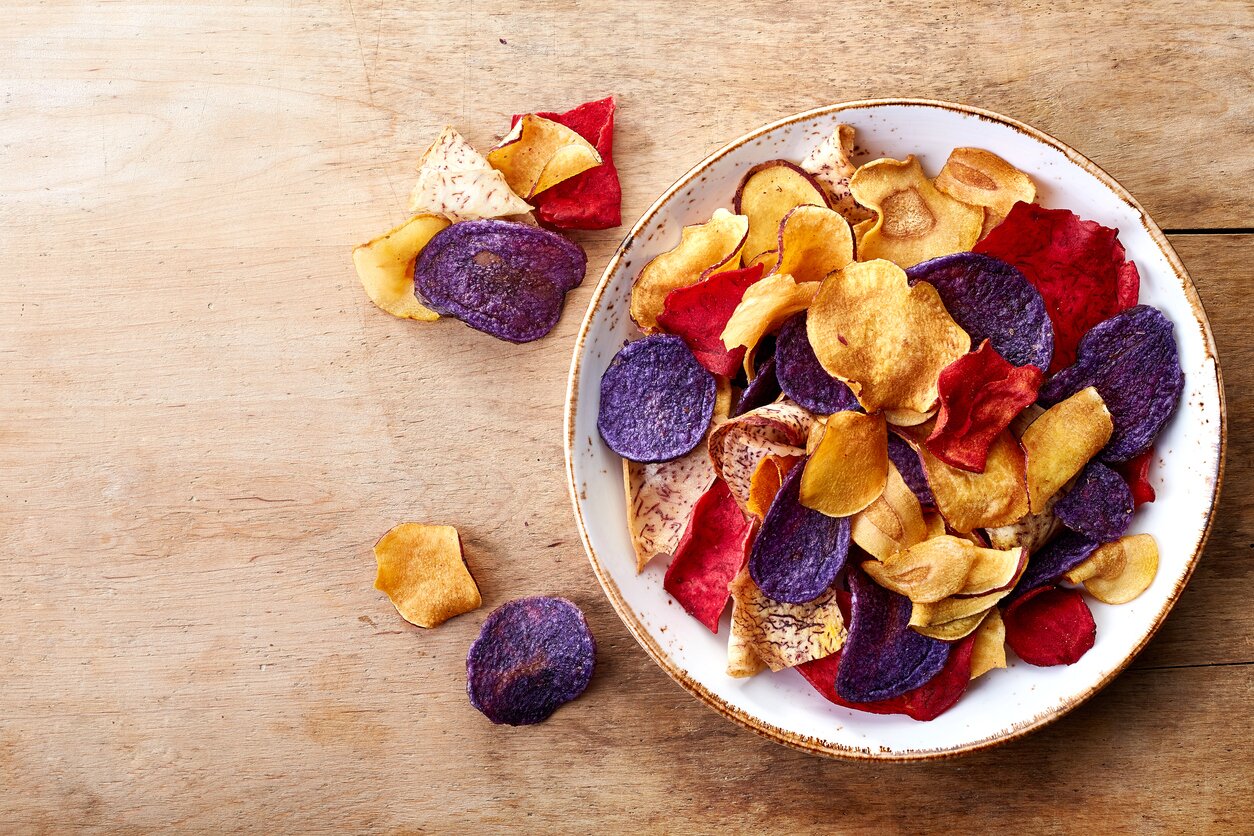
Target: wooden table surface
<point>205,424</point>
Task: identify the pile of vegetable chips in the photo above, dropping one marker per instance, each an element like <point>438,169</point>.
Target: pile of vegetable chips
<point>894,424</point>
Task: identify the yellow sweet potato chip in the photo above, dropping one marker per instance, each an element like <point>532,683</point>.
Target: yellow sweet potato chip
<point>954,608</point>
<point>887,340</point>
<point>385,266</point>
<point>813,241</point>
<point>764,307</point>
<point>785,635</point>
<point>540,153</point>
<point>767,193</point>
<point>967,501</point>
<point>702,249</point>
<point>421,568</point>
<point>860,229</point>
<point>891,523</point>
<point>456,181</point>
<point>981,178</point>
<point>989,648</point>
<point>766,482</point>
<point>915,221</point>
<point>1061,442</point>
<point>849,468</point>
<point>959,628</point>
<point>1121,570</point>
<point>926,572</point>
<point>831,163</point>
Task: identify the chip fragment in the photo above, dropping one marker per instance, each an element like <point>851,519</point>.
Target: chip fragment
<point>1119,571</point>
<point>660,499</point>
<point>457,182</point>
<point>708,557</point>
<point>831,163</point>
<point>767,193</point>
<point>423,572</point>
<point>848,469</point>
<point>813,241</point>
<point>1051,625</point>
<point>385,266</point>
<point>981,178</point>
<point>798,552</point>
<point>762,390</point>
<point>1099,505</point>
<point>1059,556</point>
<point>539,153</point>
<point>989,650</point>
<point>786,635</point>
<point>698,313</point>
<point>1135,472</point>
<point>910,467</point>
<point>1061,441</point>
<point>766,482</point>
<point>800,375</point>
<point>894,521</point>
<point>737,446</point>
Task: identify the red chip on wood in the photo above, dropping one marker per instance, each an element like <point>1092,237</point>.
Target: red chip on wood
<point>1050,626</point>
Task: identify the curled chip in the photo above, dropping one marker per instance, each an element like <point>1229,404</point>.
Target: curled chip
<point>1132,361</point>
<point>968,501</point>
<point>1078,266</point>
<point>1030,533</point>
<point>926,572</point>
<point>502,278</point>
<point>1060,442</point>
<point>980,394</point>
<point>708,557</point>
<point>831,163</point>
<point>454,180</point>
<point>991,300</point>
<point>385,266</point>
<point>910,467</point>
<point>849,468</point>
<point>737,446</point>
<point>656,400</point>
<point>591,199</point>
<point>540,153</point>
<point>952,631</point>
<point>698,313</point>
<point>1060,556</point>
<point>1135,472</point>
<point>762,390</point>
<point>892,522</point>
<point>1050,626</point>
<point>798,552</point>
<point>882,657</point>
<point>785,635</point>
<point>908,417</point>
<point>981,178</point>
<point>915,222</point>
<point>767,193</point>
<point>764,307</point>
<point>532,656</point>
<point>1118,572</point>
<point>766,482</point>
<point>703,249</point>
<point>989,650</point>
<point>802,378</point>
<point>813,241</point>
<point>887,340</point>
<point>1099,505</point>
<point>421,568</point>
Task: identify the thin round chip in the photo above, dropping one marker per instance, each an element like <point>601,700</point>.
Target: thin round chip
<point>1050,626</point>
<point>502,278</point>
<point>532,656</point>
<point>656,400</point>
<point>802,378</point>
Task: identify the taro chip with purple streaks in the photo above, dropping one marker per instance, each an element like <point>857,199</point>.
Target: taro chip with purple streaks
<point>656,400</point>
<point>802,378</point>
<point>910,467</point>
<point>1099,506</point>
<point>532,656</point>
<point>503,278</point>
<point>1132,361</point>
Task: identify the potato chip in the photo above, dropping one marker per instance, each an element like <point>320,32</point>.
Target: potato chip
<point>799,552</point>
<point>762,390</point>
<point>422,570</point>
<point>738,445</point>
<point>1049,626</point>
<point>1059,556</point>
<point>813,241</point>
<point>993,570</point>
<point>385,266</point>
<point>1099,505</point>
<point>907,417</point>
<point>849,468</point>
<point>767,193</point>
<point>981,178</point>
<point>703,249</point>
<point>785,635</point>
<point>456,181</point>
<point>910,466</point>
<point>915,221</point>
<point>698,313</point>
<point>989,650</point>
<point>1061,442</point>
<point>887,340</point>
<point>891,523</point>
<point>540,153</point>
<point>935,524</point>
<point>766,482</point>
<point>952,631</point>
<point>832,165</point>
<point>708,556</point>
<point>926,572</point>
<point>1107,560</point>
<point>802,378</point>
<point>764,308</point>
<point>968,501</point>
<point>1122,578</point>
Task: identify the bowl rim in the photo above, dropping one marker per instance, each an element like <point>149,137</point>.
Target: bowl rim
<point>806,743</point>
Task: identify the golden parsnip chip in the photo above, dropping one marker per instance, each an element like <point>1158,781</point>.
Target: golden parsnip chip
<point>785,635</point>
<point>981,178</point>
<point>1121,570</point>
<point>849,468</point>
<point>887,340</point>
<point>892,522</point>
<point>934,523</point>
<point>385,266</point>
<point>989,648</point>
<point>907,417</point>
<point>993,570</point>
<point>831,163</point>
<point>954,608</point>
<point>967,501</point>
<point>926,572</point>
<point>915,221</point>
<point>540,153</point>
<point>951,631</point>
<point>702,249</point>
<point>421,568</point>
<point>456,181</point>
<point>813,241</point>
<point>767,193</point>
<point>766,482</point>
<point>764,307</point>
<point>1061,442</point>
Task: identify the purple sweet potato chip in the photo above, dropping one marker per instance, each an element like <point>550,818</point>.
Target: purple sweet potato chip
<point>1059,556</point>
<point>1099,506</point>
<point>883,657</point>
<point>992,301</point>
<point>910,466</point>
<point>798,551</point>
<point>532,656</point>
<point>502,278</point>
<point>802,378</point>
<point>763,389</point>
<point>656,400</point>
<point>1133,361</point>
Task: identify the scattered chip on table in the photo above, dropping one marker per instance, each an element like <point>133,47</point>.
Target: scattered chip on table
<point>421,568</point>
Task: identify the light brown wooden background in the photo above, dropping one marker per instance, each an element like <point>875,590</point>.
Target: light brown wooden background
<point>204,424</point>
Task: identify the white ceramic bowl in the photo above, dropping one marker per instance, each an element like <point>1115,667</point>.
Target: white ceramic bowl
<point>1003,704</point>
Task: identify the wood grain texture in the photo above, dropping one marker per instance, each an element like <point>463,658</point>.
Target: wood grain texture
<point>206,424</point>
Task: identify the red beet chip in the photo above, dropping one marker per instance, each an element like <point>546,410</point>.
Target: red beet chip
<point>1136,473</point>
<point>1051,625</point>
<point>591,199</point>
<point>698,314</point>
<point>980,394</point>
<point>709,555</point>
<point>1078,266</point>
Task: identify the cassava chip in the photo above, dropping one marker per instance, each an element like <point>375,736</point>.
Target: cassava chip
<point>798,552</point>
<point>1062,554</point>
<point>766,482</point>
<point>767,193</point>
<point>539,153</point>
<point>786,635</point>
<point>737,446</point>
<point>709,556</point>
<point>698,313</point>
<point>813,241</point>
<point>456,181</point>
<point>989,650</point>
<point>892,522</point>
<point>1049,626</point>
<point>763,308</point>
<point>887,340</point>
<point>1135,472</point>
<point>421,568</point>
<point>980,394</point>
<point>968,501</point>
<point>802,378</point>
<point>915,222</point>
<point>981,178</point>
<point>991,300</point>
<point>385,266</point>
<point>1125,569</point>
<point>502,278</point>
<point>831,163</point>
<point>848,469</point>
<point>762,390</point>
<point>532,656</point>
<point>656,400</point>
<point>1132,361</point>
<point>1060,442</point>
<point>910,467</point>
<point>591,199</point>
<point>1099,505</point>
<point>1077,266</point>
<point>703,249</point>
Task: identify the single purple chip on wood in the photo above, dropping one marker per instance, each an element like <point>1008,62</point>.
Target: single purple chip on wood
<point>1100,505</point>
<point>802,378</point>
